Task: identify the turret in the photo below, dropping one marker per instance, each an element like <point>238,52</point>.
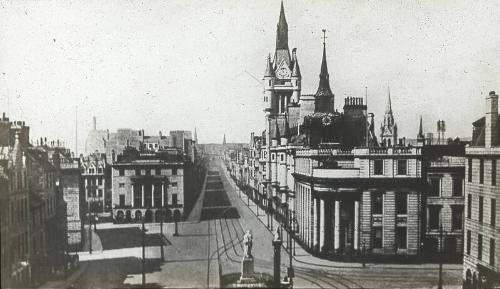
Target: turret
<point>295,78</point>
<point>268,85</point>
<point>324,96</point>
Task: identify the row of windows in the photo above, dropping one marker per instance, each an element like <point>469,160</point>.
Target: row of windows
<point>173,184</point>
<point>401,237</point>
<point>493,210</point>
<point>493,171</point>
<point>148,201</point>
<point>100,181</point>
<point>401,203</point>
<point>147,172</point>
<point>435,217</point>
<point>435,183</point>
<point>92,170</point>
<point>480,247</point>
<point>379,167</point>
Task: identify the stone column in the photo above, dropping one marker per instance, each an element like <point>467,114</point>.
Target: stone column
<point>315,222</point>
<point>103,193</point>
<point>366,220</point>
<point>152,195</point>
<point>336,239</point>
<point>389,222</point>
<point>321,224</point>
<point>356,225</point>
<point>163,195</point>
<point>142,196</point>
<point>133,196</point>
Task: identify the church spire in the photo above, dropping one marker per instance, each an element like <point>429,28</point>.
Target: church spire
<point>224,140</point>
<point>388,108</point>
<point>282,31</point>
<point>195,136</point>
<point>420,130</point>
<point>324,77</point>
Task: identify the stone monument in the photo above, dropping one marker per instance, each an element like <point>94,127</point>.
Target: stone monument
<point>247,273</point>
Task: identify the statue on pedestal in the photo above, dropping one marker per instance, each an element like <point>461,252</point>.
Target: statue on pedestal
<point>247,273</point>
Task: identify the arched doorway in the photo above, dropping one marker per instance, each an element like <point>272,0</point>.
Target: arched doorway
<point>158,215</point>
<point>128,216</point>
<point>168,216</point>
<point>138,215</point>
<point>177,215</point>
<point>119,216</point>
<point>468,279</point>
<point>148,216</point>
<point>475,284</point>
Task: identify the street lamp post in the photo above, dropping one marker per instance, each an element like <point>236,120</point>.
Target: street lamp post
<point>161,235</point>
<point>90,228</point>
<point>143,252</point>
<point>440,282</point>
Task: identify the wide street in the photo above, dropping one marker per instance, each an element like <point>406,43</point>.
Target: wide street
<point>209,248</point>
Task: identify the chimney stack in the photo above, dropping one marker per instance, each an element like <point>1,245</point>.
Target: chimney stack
<point>491,120</point>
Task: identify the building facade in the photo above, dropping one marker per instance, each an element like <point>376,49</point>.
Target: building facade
<point>148,184</point>
<point>96,175</point>
<point>482,228</point>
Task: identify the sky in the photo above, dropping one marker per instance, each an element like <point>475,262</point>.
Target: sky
<point>166,65</point>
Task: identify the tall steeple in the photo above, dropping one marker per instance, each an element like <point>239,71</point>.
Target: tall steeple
<point>224,140</point>
<point>389,129</point>
<point>324,95</point>
<point>388,108</point>
<point>282,31</point>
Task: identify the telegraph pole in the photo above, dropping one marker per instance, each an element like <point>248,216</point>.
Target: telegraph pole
<point>143,253</point>
<point>161,236</point>
<point>440,282</point>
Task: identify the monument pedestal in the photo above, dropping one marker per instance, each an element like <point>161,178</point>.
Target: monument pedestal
<point>247,273</point>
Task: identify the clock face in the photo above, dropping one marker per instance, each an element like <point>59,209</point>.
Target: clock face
<point>282,72</point>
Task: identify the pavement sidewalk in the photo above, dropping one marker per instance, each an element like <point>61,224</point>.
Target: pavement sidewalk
<point>82,267</point>
<point>305,258</point>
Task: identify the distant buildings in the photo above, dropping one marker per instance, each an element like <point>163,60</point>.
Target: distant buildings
<point>347,193</point>
<point>482,222</point>
<point>96,174</point>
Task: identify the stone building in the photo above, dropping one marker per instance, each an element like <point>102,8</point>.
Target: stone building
<point>16,237</point>
<point>96,175</point>
<point>147,183</point>
<point>482,223</point>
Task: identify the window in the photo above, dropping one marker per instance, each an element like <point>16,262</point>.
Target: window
<point>282,156</point>
<point>121,185</point>
<point>121,172</point>
<point>158,172</point>
<point>273,156</point>
<point>122,200</point>
<point>99,170</point>
<point>468,242</point>
<point>174,199</point>
<point>493,212</point>
<point>401,235</point>
<point>401,203</point>
<point>492,252</point>
<point>174,185</point>
<point>456,217</point>
<point>377,237</point>
<point>378,167</point>
<point>137,172</point>
<point>479,246</point>
<point>435,186</point>
<point>469,206</point>
<point>457,187</point>
<point>493,172</point>
<point>174,171</point>
<point>99,193</point>
<point>481,171</point>
<point>378,203</point>
<point>434,217</point>
<point>148,172</point>
<point>480,217</point>
<point>99,181</point>
<point>402,167</point>
<point>469,170</point>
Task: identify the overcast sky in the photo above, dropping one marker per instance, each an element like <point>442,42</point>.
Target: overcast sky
<point>164,65</point>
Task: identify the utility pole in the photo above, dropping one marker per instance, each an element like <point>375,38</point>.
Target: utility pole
<point>143,253</point>
<point>90,228</point>
<point>440,282</point>
<point>161,237</point>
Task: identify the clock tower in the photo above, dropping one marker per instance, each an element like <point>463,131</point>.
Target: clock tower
<point>282,77</point>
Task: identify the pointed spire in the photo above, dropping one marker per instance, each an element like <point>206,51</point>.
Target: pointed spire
<point>296,68</point>
<point>324,77</point>
<point>388,108</point>
<point>276,133</point>
<point>420,130</point>
<point>282,31</point>
<point>224,140</point>
<point>287,133</point>
<point>269,68</point>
